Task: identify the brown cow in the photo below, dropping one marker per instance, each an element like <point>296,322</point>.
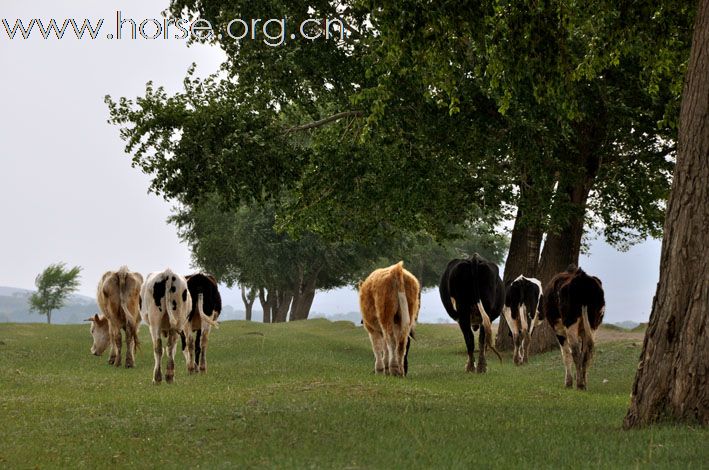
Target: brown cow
<point>118,297</point>
<point>574,304</point>
<point>389,299</point>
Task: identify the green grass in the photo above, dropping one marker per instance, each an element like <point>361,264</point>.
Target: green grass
<point>302,395</point>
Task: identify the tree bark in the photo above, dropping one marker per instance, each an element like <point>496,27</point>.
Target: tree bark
<point>282,304</point>
<point>300,308</point>
<point>49,317</point>
<point>266,302</point>
<point>671,380</point>
<point>248,300</point>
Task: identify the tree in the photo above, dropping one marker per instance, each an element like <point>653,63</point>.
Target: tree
<point>242,246</point>
<point>54,285</point>
<point>248,298</point>
<point>427,117</point>
<point>671,380</point>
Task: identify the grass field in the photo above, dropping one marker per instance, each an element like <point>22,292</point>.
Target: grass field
<point>302,395</point>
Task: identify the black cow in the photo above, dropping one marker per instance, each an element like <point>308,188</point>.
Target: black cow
<point>522,298</point>
<point>473,295</point>
<point>574,304</point>
<point>206,307</point>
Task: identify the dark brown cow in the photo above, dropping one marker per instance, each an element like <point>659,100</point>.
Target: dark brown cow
<point>574,304</point>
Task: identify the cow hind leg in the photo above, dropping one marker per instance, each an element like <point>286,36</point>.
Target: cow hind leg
<point>200,349</point>
<point>171,348</point>
<point>130,347</point>
<point>117,341</point>
<point>518,339</point>
<point>464,324</point>
<point>203,343</point>
<point>395,363</point>
<point>191,362</point>
<point>378,347</point>
<point>157,354</point>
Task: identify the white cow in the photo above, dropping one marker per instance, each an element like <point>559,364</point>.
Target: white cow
<point>165,306</point>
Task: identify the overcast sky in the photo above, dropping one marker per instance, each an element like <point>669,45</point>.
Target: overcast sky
<point>69,193</point>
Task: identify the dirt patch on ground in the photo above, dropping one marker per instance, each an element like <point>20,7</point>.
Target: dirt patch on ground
<point>605,335</point>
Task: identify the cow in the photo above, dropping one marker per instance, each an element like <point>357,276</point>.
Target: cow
<point>574,305</point>
<point>118,298</point>
<point>389,300</point>
<point>166,304</point>
<point>522,299</point>
<point>473,295</point>
<point>205,298</point>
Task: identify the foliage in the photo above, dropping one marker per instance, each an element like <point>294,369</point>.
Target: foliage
<point>452,113</point>
<point>275,393</point>
<point>427,258</point>
<point>242,246</point>
<point>54,285</point>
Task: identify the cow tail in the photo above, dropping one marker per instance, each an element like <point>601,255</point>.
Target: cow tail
<point>202,315</point>
<point>401,295</point>
<point>588,332</point>
<point>487,324</point>
<point>131,327</point>
<point>168,294</point>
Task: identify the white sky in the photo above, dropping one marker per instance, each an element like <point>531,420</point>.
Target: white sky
<point>69,193</point>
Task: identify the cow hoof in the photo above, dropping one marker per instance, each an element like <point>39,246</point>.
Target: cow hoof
<point>469,367</point>
<point>482,368</point>
<point>130,364</point>
<point>170,379</point>
<point>581,386</point>
<point>569,384</point>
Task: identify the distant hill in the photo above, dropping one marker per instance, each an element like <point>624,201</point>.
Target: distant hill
<point>628,325</point>
<point>14,307</point>
<point>354,317</point>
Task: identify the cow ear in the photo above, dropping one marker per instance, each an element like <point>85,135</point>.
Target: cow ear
<point>94,318</point>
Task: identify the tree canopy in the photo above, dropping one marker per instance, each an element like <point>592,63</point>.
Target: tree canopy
<point>54,285</point>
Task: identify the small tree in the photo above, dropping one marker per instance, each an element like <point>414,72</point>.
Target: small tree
<point>54,285</point>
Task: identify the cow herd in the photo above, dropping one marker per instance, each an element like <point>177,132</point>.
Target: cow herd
<point>170,304</point>
<point>474,296</point>
<point>471,291</point>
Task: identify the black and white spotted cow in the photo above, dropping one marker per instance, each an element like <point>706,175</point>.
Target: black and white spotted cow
<point>574,305</point>
<point>206,307</point>
<point>473,295</point>
<point>521,312</point>
<point>165,307</point>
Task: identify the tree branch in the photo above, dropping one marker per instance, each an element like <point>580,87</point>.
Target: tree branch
<point>324,121</point>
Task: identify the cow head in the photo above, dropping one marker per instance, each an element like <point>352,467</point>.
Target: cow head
<point>99,331</point>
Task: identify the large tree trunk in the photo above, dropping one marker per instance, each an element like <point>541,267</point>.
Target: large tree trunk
<point>300,309</point>
<point>671,380</point>
<point>49,317</point>
<point>266,302</point>
<point>248,300</point>
<point>280,310</point>
<point>522,258</point>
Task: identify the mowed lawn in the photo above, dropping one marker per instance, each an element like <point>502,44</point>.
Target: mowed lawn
<point>302,395</point>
